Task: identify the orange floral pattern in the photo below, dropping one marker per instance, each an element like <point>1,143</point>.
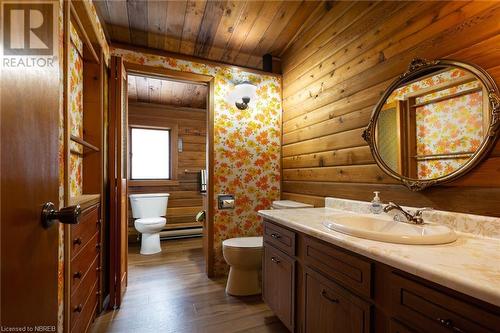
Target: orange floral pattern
<point>76,110</point>
<point>451,126</point>
<point>246,144</point>
<point>402,92</point>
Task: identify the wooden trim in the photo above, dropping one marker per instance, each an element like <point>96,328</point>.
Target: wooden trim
<point>83,143</point>
<point>160,72</point>
<point>67,152</point>
<point>165,106</point>
<point>210,81</point>
<point>81,29</point>
<point>153,182</point>
<point>179,56</point>
<point>444,98</point>
<point>209,268</point>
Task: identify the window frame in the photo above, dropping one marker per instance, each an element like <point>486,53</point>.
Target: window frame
<point>173,137</point>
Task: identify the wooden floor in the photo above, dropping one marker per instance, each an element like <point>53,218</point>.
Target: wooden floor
<point>169,292</point>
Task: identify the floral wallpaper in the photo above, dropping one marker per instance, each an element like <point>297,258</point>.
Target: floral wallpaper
<point>453,125</point>
<point>402,92</point>
<point>450,126</point>
<point>246,144</point>
<point>76,111</point>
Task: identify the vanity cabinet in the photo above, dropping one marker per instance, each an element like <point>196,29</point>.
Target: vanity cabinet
<point>313,287</point>
<point>278,286</point>
<point>331,308</point>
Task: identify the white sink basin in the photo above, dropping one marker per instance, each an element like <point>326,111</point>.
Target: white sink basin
<point>383,228</point>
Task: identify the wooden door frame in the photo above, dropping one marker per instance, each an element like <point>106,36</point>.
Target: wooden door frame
<point>152,71</point>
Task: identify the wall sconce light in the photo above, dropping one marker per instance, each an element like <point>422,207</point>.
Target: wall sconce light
<point>243,94</point>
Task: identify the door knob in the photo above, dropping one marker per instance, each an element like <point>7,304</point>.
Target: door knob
<point>67,215</point>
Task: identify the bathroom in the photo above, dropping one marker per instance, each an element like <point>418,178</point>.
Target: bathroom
<point>331,166</point>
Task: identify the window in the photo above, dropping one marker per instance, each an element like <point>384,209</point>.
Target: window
<point>150,153</point>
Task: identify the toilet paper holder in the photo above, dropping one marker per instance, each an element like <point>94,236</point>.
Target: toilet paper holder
<point>225,201</point>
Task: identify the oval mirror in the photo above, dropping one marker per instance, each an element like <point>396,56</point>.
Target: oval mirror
<point>435,122</point>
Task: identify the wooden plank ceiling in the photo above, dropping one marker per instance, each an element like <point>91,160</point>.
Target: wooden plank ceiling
<point>235,32</point>
<point>166,92</point>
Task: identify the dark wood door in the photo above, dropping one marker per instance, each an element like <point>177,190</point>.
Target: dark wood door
<point>331,309</point>
<point>29,170</point>
<point>118,181</point>
<point>278,284</point>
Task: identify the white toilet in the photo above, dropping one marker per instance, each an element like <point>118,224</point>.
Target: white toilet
<point>244,257</point>
<point>149,210</point>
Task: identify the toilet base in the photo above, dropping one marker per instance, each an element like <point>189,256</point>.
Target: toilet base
<point>150,243</point>
<point>243,282</point>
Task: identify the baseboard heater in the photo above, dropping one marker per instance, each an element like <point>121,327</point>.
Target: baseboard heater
<point>181,233</point>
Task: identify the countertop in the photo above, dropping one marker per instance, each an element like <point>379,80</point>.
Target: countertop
<point>470,265</point>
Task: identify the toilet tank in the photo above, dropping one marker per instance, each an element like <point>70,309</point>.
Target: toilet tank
<point>149,205</point>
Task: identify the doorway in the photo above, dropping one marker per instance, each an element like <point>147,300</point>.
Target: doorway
<point>174,111</point>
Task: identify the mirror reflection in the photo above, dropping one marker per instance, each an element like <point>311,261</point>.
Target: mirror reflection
<point>430,127</point>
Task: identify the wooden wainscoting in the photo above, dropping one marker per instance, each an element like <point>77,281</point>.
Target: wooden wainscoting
<point>334,74</point>
<point>185,199</point>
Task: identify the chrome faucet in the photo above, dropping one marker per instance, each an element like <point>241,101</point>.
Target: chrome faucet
<point>415,218</point>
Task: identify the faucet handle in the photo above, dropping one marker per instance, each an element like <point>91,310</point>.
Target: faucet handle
<point>419,211</point>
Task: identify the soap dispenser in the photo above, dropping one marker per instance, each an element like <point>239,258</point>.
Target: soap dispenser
<point>376,204</point>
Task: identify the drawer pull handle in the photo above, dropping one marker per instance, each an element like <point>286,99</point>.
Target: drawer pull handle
<point>77,275</point>
<point>276,261</point>
<point>98,247</point>
<point>98,293</point>
<point>325,295</point>
<point>77,241</point>
<point>78,308</point>
<point>276,236</point>
<point>98,269</point>
<point>449,323</point>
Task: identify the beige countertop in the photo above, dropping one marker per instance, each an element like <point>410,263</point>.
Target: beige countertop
<point>470,265</point>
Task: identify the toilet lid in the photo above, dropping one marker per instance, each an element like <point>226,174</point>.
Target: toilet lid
<point>283,204</point>
<point>151,220</point>
<point>244,242</point>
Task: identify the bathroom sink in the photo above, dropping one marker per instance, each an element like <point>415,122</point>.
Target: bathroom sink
<point>385,229</point>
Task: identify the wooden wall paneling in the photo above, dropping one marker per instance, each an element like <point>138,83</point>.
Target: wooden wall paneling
<point>213,13</point>
<point>176,12</point>
<point>282,18</point>
<point>383,64</point>
<point>139,20</point>
<point>265,20</point>
<point>192,22</point>
<point>330,89</point>
<point>349,42</point>
<point>227,24</point>
<point>157,20</point>
<point>247,19</point>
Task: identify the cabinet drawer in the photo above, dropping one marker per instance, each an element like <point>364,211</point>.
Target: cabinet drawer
<point>349,270</point>
<point>82,292</point>
<point>81,317</point>
<point>82,232</point>
<point>330,308</point>
<point>278,284</point>
<point>279,237</point>
<point>81,263</point>
<point>432,310</point>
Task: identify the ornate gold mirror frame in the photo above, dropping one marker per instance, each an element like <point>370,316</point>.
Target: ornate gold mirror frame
<point>417,68</point>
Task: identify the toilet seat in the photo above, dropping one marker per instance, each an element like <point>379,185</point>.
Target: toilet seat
<point>151,221</point>
<point>243,243</point>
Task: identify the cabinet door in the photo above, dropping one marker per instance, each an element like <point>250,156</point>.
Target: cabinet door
<point>330,308</point>
<point>278,284</point>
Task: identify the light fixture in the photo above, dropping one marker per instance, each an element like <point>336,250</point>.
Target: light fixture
<point>243,94</point>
